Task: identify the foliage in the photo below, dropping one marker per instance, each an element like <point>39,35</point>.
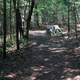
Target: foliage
<point>45,11</point>
<point>9,43</point>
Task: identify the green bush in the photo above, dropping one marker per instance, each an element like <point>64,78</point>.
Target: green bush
<point>9,43</point>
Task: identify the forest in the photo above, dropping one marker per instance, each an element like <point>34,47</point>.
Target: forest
<point>39,39</point>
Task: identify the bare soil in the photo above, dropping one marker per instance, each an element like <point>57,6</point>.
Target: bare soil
<point>45,58</point>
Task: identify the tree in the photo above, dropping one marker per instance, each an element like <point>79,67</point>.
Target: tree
<point>68,19</point>
<point>18,22</point>
<point>17,26</point>
<point>10,19</point>
<point>29,17</point>
<point>75,20</point>
<point>4,28</point>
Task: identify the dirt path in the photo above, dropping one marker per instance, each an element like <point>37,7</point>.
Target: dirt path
<point>44,59</point>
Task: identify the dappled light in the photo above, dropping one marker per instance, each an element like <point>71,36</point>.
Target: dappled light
<point>68,79</point>
<point>11,75</point>
<point>74,78</point>
<point>57,50</point>
<point>39,39</point>
<point>43,59</point>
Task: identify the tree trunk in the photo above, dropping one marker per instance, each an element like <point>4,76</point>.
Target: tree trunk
<point>4,29</point>
<point>17,31</point>
<point>37,17</point>
<point>75,20</point>
<point>10,20</point>
<point>18,23</point>
<point>68,20</point>
<point>17,27</point>
<point>29,18</point>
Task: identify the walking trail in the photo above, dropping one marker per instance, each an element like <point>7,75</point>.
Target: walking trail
<point>46,58</point>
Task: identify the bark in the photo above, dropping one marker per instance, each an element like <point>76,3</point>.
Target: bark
<point>29,18</point>
<point>37,18</point>
<point>18,23</point>
<point>75,20</point>
<point>10,20</point>
<point>68,20</point>
<point>4,29</point>
<point>17,31</point>
<point>17,27</point>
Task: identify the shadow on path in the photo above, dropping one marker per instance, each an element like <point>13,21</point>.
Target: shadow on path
<point>44,59</point>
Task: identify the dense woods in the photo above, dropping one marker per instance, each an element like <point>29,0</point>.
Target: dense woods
<point>21,21</point>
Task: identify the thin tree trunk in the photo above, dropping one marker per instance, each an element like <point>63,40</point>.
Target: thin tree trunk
<point>29,17</point>
<point>75,20</point>
<point>18,23</point>
<point>68,20</point>
<point>37,17</point>
<point>10,21</point>
<point>4,29</point>
<point>17,31</point>
<point>17,27</point>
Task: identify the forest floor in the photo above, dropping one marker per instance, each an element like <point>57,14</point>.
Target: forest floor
<point>46,58</point>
